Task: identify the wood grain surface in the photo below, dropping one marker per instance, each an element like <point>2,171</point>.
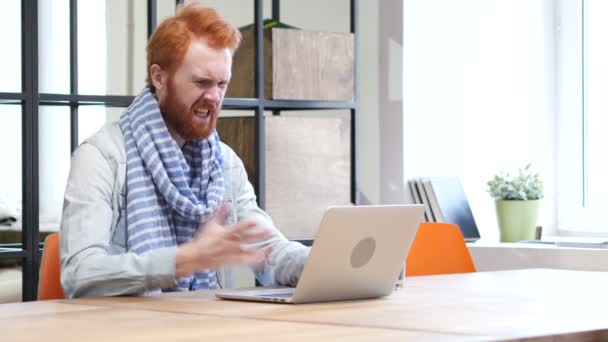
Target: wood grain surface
<point>532,304</point>
<point>298,65</point>
<point>312,65</point>
<point>307,170</point>
<point>117,325</point>
<point>307,165</point>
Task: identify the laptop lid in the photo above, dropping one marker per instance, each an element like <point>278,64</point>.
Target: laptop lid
<point>358,253</point>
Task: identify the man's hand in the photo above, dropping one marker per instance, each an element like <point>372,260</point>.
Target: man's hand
<point>215,245</point>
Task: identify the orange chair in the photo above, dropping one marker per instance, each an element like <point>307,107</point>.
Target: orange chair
<point>49,285</point>
<point>438,248</point>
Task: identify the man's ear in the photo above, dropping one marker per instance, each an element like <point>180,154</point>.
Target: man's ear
<point>158,76</point>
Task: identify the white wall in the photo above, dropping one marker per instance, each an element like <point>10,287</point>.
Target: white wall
<point>479,95</point>
<point>388,99</point>
<point>368,138</point>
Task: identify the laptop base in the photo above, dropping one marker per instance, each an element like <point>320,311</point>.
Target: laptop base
<point>273,295</point>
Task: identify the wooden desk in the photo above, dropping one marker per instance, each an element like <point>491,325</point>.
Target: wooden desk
<point>534,304</point>
<point>117,325</point>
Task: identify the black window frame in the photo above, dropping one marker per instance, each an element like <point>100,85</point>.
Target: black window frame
<point>29,250</point>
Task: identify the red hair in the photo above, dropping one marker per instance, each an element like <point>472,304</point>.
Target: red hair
<point>170,41</point>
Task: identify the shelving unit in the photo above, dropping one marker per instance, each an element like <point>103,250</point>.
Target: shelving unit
<point>259,104</point>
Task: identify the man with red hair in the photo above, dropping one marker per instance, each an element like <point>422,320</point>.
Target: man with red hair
<point>156,202</point>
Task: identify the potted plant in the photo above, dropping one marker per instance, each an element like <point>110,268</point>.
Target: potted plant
<point>517,201</point>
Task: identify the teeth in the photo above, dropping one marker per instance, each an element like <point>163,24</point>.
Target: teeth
<point>201,112</point>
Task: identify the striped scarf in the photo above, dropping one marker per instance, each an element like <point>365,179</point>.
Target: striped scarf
<point>170,191</point>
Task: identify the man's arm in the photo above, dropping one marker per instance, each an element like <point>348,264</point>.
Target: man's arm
<point>87,266</point>
<point>90,268</point>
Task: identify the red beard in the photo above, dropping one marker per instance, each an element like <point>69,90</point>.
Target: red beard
<point>181,117</point>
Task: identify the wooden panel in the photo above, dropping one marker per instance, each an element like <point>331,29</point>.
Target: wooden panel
<point>307,170</point>
<point>242,83</point>
<point>312,65</point>
<point>298,65</point>
<point>239,134</point>
<point>307,165</point>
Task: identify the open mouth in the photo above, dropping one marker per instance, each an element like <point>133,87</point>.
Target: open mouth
<point>202,113</point>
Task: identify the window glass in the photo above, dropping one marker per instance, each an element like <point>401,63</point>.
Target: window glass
<point>54,46</point>
<point>54,163</point>
<point>596,75</point>
<point>11,171</point>
<point>10,63</point>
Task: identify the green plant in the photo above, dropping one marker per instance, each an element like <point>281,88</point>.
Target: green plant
<point>526,185</point>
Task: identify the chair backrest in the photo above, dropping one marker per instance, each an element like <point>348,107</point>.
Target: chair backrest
<point>438,248</point>
<point>49,285</point>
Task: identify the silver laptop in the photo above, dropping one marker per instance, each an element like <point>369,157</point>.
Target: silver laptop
<point>359,252</point>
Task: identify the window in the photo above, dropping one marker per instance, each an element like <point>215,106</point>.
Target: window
<point>71,66</point>
<point>109,65</point>
<point>583,144</point>
<point>478,96</point>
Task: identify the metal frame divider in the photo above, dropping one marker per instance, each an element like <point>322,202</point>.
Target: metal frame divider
<point>30,196</point>
<point>73,73</point>
<point>354,176</point>
<point>260,126</point>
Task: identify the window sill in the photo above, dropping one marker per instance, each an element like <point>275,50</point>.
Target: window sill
<point>508,256</point>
